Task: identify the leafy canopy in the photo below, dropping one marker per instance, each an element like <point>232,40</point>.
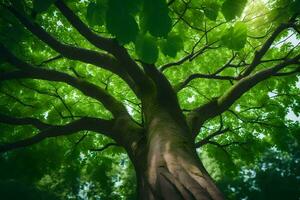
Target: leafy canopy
<point>202,36</point>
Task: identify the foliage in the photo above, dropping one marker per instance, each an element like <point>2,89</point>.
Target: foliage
<point>203,36</point>
<point>275,176</point>
<point>235,38</point>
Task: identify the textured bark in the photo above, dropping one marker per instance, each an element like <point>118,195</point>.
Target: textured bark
<point>168,167</point>
<point>162,147</point>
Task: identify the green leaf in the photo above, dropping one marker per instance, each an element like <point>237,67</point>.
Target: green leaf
<point>233,8</point>
<point>171,45</point>
<point>155,18</point>
<point>120,23</point>
<point>295,7</point>
<point>211,10</point>
<point>42,5</point>
<point>18,4</point>
<point>95,14</point>
<point>195,17</point>
<point>132,6</point>
<point>235,38</point>
<point>146,48</point>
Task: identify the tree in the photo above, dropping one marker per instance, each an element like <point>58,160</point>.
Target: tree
<point>158,79</point>
<point>275,177</point>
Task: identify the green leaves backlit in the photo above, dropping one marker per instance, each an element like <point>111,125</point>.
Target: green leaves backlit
<point>126,19</point>
<point>95,15</point>
<point>146,48</point>
<point>120,22</point>
<point>235,37</point>
<point>121,17</point>
<point>233,8</point>
<point>211,10</point>
<point>155,18</point>
<point>41,5</point>
<point>171,45</point>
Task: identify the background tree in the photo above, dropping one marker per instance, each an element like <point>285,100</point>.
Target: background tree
<point>175,86</point>
<point>276,176</point>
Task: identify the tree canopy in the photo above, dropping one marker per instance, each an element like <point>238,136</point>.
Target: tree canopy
<point>74,75</point>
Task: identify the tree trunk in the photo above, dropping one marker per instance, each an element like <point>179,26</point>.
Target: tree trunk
<point>168,167</point>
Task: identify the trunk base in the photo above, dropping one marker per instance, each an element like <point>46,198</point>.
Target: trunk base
<point>175,174</point>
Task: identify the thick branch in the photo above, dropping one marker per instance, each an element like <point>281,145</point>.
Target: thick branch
<point>165,95</point>
<point>297,70</point>
<point>106,44</point>
<point>91,124</point>
<point>74,53</point>
<point>248,82</point>
<point>86,88</point>
<point>259,54</point>
<point>125,129</point>
<point>89,89</point>
<point>218,105</point>
<point>23,121</point>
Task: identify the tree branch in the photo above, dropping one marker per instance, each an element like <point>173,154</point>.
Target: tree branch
<point>104,61</point>
<point>50,60</point>
<point>125,130</point>
<point>91,124</point>
<point>16,99</point>
<point>218,105</point>
<point>225,145</point>
<point>227,64</point>
<point>165,95</point>
<point>211,136</point>
<point>105,147</point>
<point>23,121</point>
<point>188,57</point>
<point>89,89</point>
<point>259,54</point>
<point>183,84</point>
<point>297,70</point>
<point>250,81</point>
<point>106,44</point>
<point>253,121</point>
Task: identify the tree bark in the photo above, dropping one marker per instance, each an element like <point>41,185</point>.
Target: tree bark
<point>168,167</point>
